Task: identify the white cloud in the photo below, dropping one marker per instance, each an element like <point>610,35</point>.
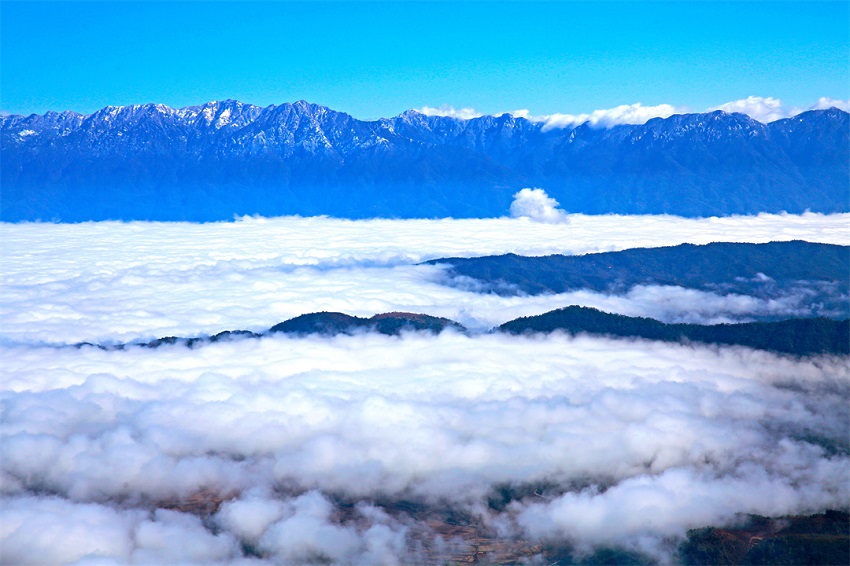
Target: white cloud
<point>825,102</point>
<point>446,110</point>
<point>756,107</point>
<point>53,530</point>
<point>681,498</point>
<point>763,109</point>
<point>286,431</point>
<point>768,109</point>
<point>603,118</point>
<point>122,281</point>
<point>536,205</point>
<point>299,449</point>
<point>607,118</point>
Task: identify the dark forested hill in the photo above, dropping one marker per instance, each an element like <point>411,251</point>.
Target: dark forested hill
<point>319,323</point>
<point>212,161</point>
<point>821,271</point>
<point>805,336</point>
<point>802,337</point>
<point>393,323</point>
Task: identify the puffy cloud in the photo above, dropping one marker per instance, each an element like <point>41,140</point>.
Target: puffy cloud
<point>308,533</point>
<point>756,107</point>
<point>52,530</point>
<point>825,102</point>
<point>763,109</point>
<point>446,110</point>
<point>536,205</point>
<point>609,117</point>
<point>669,503</point>
<point>308,444</point>
<point>358,448</point>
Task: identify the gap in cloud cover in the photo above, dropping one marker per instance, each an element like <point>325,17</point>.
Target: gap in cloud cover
<point>761,109</point>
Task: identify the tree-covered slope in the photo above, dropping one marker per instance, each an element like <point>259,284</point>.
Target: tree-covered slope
<point>819,271</point>
<point>802,337</point>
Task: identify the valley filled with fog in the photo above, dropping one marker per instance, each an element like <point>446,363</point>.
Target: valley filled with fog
<point>368,448</point>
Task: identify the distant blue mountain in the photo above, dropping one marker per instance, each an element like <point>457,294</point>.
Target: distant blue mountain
<point>212,161</point>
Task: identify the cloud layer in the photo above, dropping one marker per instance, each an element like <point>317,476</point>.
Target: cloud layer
<point>451,111</point>
<point>366,449</point>
<point>289,432</point>
<point>607,118</point>
<point>762,109</point>
<point>63,283</point>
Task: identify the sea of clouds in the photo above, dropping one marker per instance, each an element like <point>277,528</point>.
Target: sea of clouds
<point>108,281</point>
<point>358,449</point>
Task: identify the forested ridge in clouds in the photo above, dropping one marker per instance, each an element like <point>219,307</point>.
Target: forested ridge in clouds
<point>752,269</point>
<point>386,449</point>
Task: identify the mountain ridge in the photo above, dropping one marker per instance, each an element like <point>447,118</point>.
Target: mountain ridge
<point>796,336</point>
<point>220,159</point>
<point>814,273</point>
<point>227,103</point>
<point>800,336</point>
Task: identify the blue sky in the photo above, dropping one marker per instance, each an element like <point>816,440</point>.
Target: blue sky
<point>378,59</point>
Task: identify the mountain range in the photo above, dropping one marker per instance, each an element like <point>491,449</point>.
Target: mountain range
<point>221,159</point>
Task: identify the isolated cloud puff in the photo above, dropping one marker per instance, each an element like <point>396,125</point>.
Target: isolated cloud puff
<point>536,205</point>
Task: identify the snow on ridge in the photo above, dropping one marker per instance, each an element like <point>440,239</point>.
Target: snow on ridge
<point>760,109</point>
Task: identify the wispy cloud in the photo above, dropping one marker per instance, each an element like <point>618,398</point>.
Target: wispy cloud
<point>762,109</point>
<point>607,118</point>
<point>768,109</point>
<point>447,110</point>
